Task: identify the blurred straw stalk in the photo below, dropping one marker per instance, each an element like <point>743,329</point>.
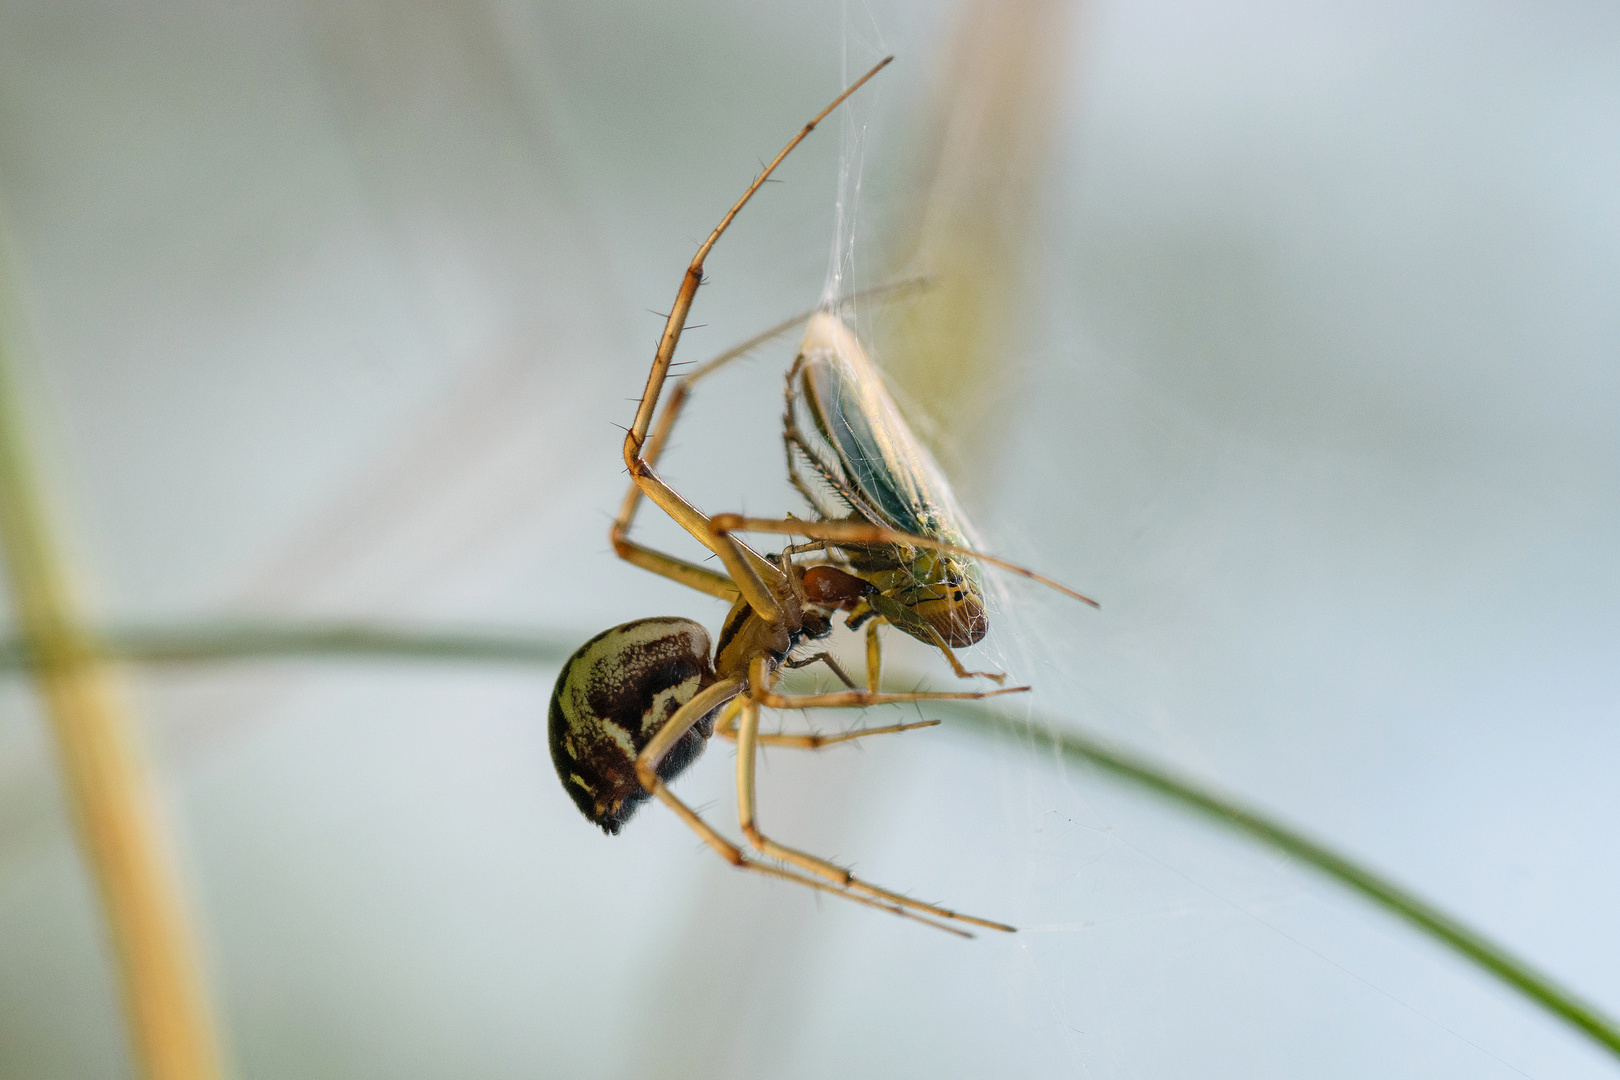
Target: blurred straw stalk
<point>989,135</point>
<point>119,825</point>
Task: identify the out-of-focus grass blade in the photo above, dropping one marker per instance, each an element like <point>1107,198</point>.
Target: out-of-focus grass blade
<point>118,821</point>
<point>266,641</point>
<point>204,642</point>
<point>988,137</point>
<point>1188,794</point>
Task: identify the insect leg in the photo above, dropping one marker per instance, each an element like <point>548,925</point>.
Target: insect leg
<point>901,617</point>
<point>790,440</point>
<point>998,677</point>
<point>822,658</point>
<point>874,658</point>
<point>793,438</point>
<point>747,746</point>
<point>814,545</point>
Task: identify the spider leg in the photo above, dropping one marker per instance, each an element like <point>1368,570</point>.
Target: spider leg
<point>665,565</point>
<point>637,436</point>
<point>734,855</point>
<point>670,415</point>
<point>747,745</point>
<point>818,742</point>
<point>860,699</point>
<point>646,772</point>
<point>747,568</point>
<point>725,725</point>
<point>717,693</point>
<point>687,573</point>
<point>726,728</point>
<point>860,532</point>
<point>759,689</point>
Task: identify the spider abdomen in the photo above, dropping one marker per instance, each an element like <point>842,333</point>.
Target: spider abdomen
<point>612,697</point>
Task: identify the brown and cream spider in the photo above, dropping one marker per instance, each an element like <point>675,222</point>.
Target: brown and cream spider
<point>636,704</point>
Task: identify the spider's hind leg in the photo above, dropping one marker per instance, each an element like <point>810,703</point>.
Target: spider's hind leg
<point>747,747</point>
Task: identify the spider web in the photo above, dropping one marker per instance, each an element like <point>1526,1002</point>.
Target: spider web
<point>1345,542</point>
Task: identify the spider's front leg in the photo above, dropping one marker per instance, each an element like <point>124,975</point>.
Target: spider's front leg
<point>658,562</point>
<point>658,437</point>
<point>666,565</point>
<point>748,569</point>
<point>860,532</point>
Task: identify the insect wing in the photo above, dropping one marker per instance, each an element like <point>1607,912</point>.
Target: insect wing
<point>868,453</point>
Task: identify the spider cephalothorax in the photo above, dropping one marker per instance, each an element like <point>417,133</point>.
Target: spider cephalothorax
<point>621,687</point>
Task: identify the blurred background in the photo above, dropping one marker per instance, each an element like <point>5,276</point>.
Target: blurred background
<point>1308,369</point>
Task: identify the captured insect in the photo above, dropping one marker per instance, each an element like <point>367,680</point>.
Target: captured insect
<point>843,427</point>
<point>636,704</point>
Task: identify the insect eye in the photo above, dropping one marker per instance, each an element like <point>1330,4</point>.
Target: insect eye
<point>961,620</point>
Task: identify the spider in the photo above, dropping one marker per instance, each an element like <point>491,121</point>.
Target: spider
<point>637,703</point>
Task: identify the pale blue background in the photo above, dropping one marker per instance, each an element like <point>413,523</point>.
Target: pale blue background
<point>333,310</point>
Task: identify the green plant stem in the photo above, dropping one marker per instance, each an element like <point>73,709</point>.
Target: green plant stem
<point>244,641</point>
<point>1227,811</point>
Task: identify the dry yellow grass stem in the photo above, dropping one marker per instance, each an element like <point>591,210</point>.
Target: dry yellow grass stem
<point>117,817</point>
<point>987,141</point>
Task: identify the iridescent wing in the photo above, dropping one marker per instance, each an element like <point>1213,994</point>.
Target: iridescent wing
<point>847,429</point>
